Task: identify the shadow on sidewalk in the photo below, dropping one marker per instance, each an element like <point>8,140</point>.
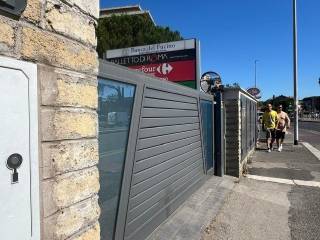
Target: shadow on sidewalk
<point>294,162</point>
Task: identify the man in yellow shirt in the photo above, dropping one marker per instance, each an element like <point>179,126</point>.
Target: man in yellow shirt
<point>269,124</point>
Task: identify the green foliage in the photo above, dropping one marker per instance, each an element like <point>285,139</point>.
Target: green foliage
<point>286,102</point>
<point>131,30</point>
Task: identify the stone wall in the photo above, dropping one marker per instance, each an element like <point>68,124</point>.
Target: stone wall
<point>59,35</point>
<point>233,143</point>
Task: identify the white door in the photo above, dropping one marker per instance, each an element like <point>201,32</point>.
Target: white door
<point>15,198</point>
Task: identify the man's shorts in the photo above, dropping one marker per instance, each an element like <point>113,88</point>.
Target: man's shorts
<point>280,134</point>
<point>270,133</point>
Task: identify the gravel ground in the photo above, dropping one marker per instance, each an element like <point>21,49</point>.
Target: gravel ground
<point>304,213</point>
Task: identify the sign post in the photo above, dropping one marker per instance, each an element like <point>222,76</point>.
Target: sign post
<point>295,74</point>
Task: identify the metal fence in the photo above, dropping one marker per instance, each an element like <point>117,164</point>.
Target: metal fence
<point>248,124</point>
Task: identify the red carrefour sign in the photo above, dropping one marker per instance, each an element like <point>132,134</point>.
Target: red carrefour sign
<point>173,61</point>
<point>172,71</point>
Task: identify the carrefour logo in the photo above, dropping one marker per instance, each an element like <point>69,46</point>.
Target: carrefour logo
<point>164,68</point>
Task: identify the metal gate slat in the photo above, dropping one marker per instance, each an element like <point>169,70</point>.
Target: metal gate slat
<point>153,171</point>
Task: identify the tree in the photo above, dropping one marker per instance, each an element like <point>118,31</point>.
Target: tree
<point>285,101</point>
<point>131,30</point>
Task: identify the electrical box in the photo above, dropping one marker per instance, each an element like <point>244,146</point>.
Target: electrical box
<point>19,173</point>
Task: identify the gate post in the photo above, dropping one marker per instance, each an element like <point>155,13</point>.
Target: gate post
<point>219,135</point>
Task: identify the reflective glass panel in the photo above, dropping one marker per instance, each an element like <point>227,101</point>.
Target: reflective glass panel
<point>115,110</point>
<point>207,132</point>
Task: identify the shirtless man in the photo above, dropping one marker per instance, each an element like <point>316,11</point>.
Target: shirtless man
<point>281,129</point>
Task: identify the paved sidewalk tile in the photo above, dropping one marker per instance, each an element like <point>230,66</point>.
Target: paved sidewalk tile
<point>190,220</point>
<point>257,210</point>
<point>254,211</point>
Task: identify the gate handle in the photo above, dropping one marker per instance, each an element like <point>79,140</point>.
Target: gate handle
<point>14,161</point>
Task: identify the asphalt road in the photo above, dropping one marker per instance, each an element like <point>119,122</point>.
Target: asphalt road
<point>310,132</point>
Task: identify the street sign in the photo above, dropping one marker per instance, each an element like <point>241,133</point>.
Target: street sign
<point>254,91</point>
<point>172,61</point>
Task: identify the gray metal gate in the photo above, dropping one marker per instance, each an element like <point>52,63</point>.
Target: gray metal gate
<point>168,159</point>
<point>164,159</point>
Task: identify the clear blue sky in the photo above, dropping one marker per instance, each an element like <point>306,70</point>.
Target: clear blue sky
<point>233,33</point>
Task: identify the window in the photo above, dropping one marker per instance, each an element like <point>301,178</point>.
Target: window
<point>115,110</point>
<point>207,132</point>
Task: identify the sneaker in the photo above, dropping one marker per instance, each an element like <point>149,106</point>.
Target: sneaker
<point>279,149</point>
<point>269,150</point>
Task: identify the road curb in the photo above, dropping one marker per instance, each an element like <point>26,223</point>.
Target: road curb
<point>284,181</point>
<point>315,121</point>
<point>312,149</point>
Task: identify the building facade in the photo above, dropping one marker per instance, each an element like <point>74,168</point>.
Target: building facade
<point>125,10</point>
<point>311,104</point>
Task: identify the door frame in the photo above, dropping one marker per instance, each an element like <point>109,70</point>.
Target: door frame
<point>111,72</point>
<point>209,98</point>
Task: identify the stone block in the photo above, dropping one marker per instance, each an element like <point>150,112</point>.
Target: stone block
<point>63,19</point>
<point>7,34</point>
<point>67,156</point>
<point>33,10</point>
<point>68,123</point>
<point>71,220</point>
<point>70,188</point>
<point>92,233</point>
<point>54,50</point>
<point>65,88</point>
<point>91,7</point>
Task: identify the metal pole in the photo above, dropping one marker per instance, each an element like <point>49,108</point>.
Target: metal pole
<point>255,73</point>
<point>295,73</point>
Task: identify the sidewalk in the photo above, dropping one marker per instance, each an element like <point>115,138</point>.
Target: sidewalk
<point>279,199</point>
<point>189,221</point>
<point>294,162</point>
